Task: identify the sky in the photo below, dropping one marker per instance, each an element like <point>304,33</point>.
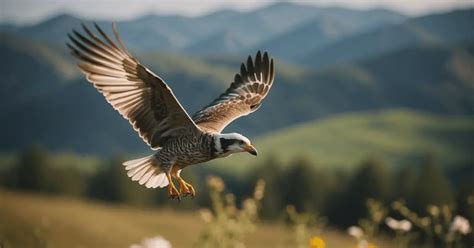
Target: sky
<point>32,11</point>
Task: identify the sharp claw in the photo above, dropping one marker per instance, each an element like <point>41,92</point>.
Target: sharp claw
<point>174,197</point>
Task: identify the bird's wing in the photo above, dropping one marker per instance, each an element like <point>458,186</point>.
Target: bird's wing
<point>243,97</point>
<point>140,96</point>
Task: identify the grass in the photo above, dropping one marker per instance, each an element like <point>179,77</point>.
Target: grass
<point>28,220</point>
<point>398,137</point>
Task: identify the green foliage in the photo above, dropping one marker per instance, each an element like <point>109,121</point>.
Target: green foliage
<point>371,181</point>
<point>272,174</point>
<point>226,224</point>
<point>112,184</point>
<point>432,187</point>
<point>32,171</point>
<point>304,225</point>
<point>404,183</point>
<point>438,225</point>
<point>398,137</point>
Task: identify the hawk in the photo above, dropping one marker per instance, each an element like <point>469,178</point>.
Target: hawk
<point>148,103</point>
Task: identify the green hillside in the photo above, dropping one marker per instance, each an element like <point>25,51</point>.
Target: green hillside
<point>398,137</point>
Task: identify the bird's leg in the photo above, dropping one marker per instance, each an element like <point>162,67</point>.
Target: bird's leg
<point>173,192</point>
<point>184,187</point>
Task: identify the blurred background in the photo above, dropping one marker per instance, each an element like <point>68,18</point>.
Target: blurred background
<point>370,118</point>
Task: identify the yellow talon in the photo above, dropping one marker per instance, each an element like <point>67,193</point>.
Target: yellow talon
<point>185,188</point>
<point>173,192</point>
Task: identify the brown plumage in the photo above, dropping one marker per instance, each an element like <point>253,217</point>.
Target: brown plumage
<point>243,97</point>
<point>150,106</point>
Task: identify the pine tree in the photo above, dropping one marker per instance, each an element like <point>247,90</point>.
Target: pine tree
<point>271,172</point>
<point>432,187</point>
<point>32,169</point>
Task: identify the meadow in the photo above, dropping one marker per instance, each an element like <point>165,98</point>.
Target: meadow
<point>32,220</point>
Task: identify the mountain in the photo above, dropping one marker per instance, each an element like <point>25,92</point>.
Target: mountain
<point>329,25</point>
<point>221,42</point>
<point>455,26</point>
<point>66,113</point>
<point>30,69</point>
<point>200,35</point>
<point>398,137</point>
<point>307,37</point>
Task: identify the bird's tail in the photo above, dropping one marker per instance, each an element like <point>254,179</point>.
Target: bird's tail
<point>146,171</point>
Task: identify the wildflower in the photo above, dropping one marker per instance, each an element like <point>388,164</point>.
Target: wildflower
<point>215,183</point>
<point>355,231</point>
<point>425,222</point>
<point>259,189</point>
<point>433,210</point>
<point>371,245</point>
<point>365,244</point>
<point>461,225</point>
<point>397,205</point>
<point>317,242</point>
<point>155,242</point>
<point>206,215</point>
<point>398,225</point>
<point>250,206</point>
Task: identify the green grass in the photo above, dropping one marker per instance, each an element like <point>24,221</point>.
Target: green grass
<point>398,137</point>
<point>28,220</point>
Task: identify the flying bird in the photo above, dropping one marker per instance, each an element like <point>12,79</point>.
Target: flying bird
<point>148,103</point>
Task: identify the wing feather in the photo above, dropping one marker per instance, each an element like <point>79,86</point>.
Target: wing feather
<point>244,95</point>
<point>140,96</point>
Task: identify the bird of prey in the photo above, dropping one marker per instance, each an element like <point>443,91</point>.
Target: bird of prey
<point>148,103</point>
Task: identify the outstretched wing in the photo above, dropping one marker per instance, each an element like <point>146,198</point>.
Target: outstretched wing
<point>243,97</point>
<point>140,96</point>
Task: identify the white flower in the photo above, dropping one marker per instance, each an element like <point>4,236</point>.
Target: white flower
<point>155,242</point>
<point>405,225</point>
<point>402,225</point>
<point>355,231</point>
<point>461,225</point>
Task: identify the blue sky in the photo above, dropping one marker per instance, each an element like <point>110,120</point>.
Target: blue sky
<point>31,11</point>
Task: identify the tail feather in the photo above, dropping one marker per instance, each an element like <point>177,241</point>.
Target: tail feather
<point>146,171</point>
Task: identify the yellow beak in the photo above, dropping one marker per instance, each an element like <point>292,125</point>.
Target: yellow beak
<point>250,149</point>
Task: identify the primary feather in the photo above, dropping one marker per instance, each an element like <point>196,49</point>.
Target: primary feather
<point>243,97</point>
<point>138,94</point>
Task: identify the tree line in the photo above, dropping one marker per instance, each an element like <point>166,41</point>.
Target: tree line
<point>340,195</point>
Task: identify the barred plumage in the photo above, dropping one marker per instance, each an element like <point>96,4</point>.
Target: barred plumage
<point>149,104</point>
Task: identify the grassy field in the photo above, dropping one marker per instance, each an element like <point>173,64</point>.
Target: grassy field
<point>28,220</point>
<point>397,137</point>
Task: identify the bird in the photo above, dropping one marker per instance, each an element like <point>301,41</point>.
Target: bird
<point>148,103</point>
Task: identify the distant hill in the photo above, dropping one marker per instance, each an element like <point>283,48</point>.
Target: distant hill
<point>220,42</point>
<point>398,137</point>
<point>201,35</point>
<point>326,27</point>
<point>30,69</point>
<point>66,113</point>
<point>455,26</point>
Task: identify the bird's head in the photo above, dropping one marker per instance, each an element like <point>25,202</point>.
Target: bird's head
<point>226,144</point>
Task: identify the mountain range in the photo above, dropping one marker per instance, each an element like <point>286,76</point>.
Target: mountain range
<point>228,29</point>
<point>328,61</point>
<point>442,28</point>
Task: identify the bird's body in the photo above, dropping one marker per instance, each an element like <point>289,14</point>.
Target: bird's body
<point>188,149</point>
<point>149,104</point>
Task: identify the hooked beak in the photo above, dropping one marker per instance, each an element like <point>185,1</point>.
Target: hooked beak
<point>250,149</point>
